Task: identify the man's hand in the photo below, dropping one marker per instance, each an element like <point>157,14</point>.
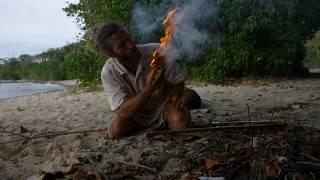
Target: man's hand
<point>154,79</point>
<point>176,102</point>
<point>157,61</point>
<point>133,105</point>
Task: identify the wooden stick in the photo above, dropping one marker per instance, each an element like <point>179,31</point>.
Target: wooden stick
<point>245,122</point>
<point>308,163</point>
<point>12,133</point>
<point>54,134</point>
<point>221,128</point>
<point>138,165</point>
<point>310,157</point>
<point>251,130</point>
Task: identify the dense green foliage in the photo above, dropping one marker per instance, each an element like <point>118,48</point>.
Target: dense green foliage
<point>74,61</point>
<point>24,68</point>
<point>260,37</point>
<point>84,65</point>
<point>313,52</point>
<point>10,69</point>
<point>268,39</point>
<point>261,40</point>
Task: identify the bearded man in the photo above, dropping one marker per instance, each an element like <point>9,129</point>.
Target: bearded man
<point>141,97</point>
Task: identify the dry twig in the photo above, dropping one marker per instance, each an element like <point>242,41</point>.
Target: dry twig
<point>52,135</point>
<point>251,130</point>
<point>138,165</point>
<point>310,157</point>
<point>12,133</point>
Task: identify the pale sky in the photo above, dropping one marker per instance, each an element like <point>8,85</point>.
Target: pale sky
<point>33,26</point>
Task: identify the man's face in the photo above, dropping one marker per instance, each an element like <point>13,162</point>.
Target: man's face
<point>123,47</point>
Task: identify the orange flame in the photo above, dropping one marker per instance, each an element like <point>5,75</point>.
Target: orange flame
<point>169,22</point>
<point>166,39</point>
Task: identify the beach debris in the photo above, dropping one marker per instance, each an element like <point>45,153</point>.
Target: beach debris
<point>176,165</point>
<point>120,170</point>
<point>23,129</point>
<point>204,110</point>
<point>88,175</point>
<point>188,176</point>
<point>257,142</point>
<point>12,133</point>
<point>282,151</point>
<point>63,162</point>
<point>47,135</point>
<point>211,163</point>
<point>310,157</point>
<point>296,106</point>
<point>205,157</point>
<point>138,165</point>
<point>20,109</point>
<point>183,137</point>
<point>273,169</point>
<point>46,176</point>
<point>210,178</point>
<point>147,177</point>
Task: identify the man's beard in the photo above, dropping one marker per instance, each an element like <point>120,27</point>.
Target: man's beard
<point>132,57</point>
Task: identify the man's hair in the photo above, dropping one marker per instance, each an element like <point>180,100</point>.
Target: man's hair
<point>104,32</point>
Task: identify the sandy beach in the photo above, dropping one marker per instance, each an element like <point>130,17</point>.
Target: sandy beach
<point>297,101</point>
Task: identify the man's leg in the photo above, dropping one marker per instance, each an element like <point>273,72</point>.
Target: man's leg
<point>177,118</point>
<point>191,98</point>
<point>120,127</point>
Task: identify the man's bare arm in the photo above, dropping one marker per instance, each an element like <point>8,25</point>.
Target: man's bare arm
<point>133,105</point>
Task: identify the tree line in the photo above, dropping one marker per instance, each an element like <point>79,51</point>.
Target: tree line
<point>72,61</point>
<point>260,38</point>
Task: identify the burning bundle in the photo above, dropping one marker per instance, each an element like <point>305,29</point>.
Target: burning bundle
<point>156,59</point>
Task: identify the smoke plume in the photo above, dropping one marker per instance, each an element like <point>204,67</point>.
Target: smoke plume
<point>197,26</point>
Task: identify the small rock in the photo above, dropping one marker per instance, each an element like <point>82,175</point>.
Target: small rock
<point>296,106</point>
<point>188,176</point>
<point>14,160</point>
<point>23,129</point>
<point>273,169</point>
<point>20,109</point>
<point>175,165</point>
<point>147,177</point>
<point>282,159</point>
<point>211,163</point>
<point>256,142</point>
<point>204,110</point>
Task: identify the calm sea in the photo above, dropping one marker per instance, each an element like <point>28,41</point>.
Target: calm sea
<point>12,90</point>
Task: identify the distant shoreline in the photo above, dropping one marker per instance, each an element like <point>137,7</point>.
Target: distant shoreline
<point>65,83</point>
<point>316,70</point>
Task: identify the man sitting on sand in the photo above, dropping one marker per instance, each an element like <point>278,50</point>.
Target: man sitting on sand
<point>141,96</point>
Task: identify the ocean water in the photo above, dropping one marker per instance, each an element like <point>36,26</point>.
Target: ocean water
<point>12,90</point>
